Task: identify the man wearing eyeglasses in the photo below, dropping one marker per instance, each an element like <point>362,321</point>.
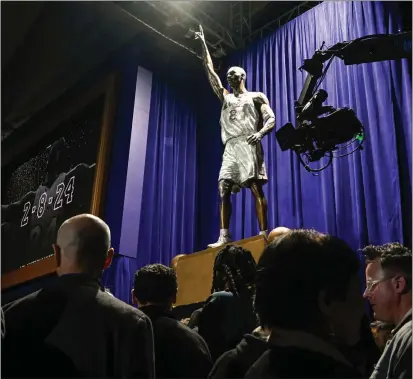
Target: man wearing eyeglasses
<point>389,291</point>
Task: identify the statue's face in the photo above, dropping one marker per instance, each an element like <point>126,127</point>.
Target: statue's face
<point>235,76</point>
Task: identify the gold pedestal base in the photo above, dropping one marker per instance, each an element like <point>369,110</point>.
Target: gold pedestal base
<point>194,271</point>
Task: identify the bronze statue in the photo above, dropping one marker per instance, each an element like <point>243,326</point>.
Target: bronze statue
<point>246,117</point>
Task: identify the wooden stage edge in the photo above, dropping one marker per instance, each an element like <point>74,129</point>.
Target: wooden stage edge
<point>194,271</point>
<point>32,271</point>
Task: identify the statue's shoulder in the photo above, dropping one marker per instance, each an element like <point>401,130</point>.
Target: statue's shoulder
<point>259,98</point>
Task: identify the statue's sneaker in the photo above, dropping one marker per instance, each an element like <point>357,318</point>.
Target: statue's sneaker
<point>222,240</point>
<point>264,233</point>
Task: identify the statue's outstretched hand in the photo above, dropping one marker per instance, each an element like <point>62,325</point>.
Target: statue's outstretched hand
<point>200,35</point>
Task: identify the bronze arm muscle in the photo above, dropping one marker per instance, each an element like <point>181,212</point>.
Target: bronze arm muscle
<point>267,113</point>
<point>213,78</point>
<point>268,118</point>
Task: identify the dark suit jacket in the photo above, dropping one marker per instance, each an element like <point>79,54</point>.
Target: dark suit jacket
<point>179,351</point>
<point>294,362</point>
<point>224,320</point>
<point>88,332</point>
<point>236,362</point>
<point>396,360</point>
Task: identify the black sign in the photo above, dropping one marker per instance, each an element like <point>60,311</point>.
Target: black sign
<point>52,184</point>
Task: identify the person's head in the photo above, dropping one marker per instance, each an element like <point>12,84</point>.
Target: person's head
<point>388,281</point>
<point>276,233</point>
<point>83,246</point>
<point>236,77</point>
<point>308,281</point>
<point>155,284</point>
<point>234,269</point>
<point>381,333</point>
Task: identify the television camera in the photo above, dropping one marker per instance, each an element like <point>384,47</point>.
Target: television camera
<point>324,131</point>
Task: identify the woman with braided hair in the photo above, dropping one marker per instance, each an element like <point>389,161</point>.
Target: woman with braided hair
<point>228,313</point>
<point>234,270</point>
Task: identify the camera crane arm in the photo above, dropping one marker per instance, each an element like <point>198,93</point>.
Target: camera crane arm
<point>316,137</point>
<point>367,49</point>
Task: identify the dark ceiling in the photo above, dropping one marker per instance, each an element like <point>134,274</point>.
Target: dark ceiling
<point>47,47</point>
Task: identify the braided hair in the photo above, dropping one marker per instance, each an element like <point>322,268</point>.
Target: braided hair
<point>224,320</point>
<point>234,269</point>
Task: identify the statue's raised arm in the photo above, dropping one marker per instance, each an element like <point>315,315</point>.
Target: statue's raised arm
<point>213,78</point>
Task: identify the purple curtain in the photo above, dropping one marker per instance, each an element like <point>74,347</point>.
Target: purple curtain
<point>167,226</point>
<point>363,198</point>
<point>168,213</point>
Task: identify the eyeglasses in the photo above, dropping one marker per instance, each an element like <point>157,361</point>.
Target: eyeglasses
<point>371,285</point>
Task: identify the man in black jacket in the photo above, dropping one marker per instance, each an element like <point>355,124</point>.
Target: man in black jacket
<point>74,328</point>
<point>235,363</point>
<point>389,291</point>
<point>308,295</point>
<point>179,351</point>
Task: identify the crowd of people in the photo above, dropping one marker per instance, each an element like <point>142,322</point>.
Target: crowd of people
<point>297,313</point>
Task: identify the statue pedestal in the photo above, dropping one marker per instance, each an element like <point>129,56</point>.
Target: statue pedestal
<point>194,271</point>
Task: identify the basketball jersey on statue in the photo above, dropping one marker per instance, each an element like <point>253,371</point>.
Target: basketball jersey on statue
<point>239,116</point>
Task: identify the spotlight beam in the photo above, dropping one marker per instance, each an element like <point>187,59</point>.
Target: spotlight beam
<point>228,42</point>
<point>166,14</point>
<point>158,32</point>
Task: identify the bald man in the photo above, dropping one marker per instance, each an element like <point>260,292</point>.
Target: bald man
<point>83,246</point>
<point>74,327</point>
<point>276,233</point>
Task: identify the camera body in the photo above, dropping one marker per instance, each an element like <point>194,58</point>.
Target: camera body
<point>323,130</point>
<point>317,135</point>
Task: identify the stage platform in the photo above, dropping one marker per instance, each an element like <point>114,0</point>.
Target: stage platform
<point>194,271</point>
